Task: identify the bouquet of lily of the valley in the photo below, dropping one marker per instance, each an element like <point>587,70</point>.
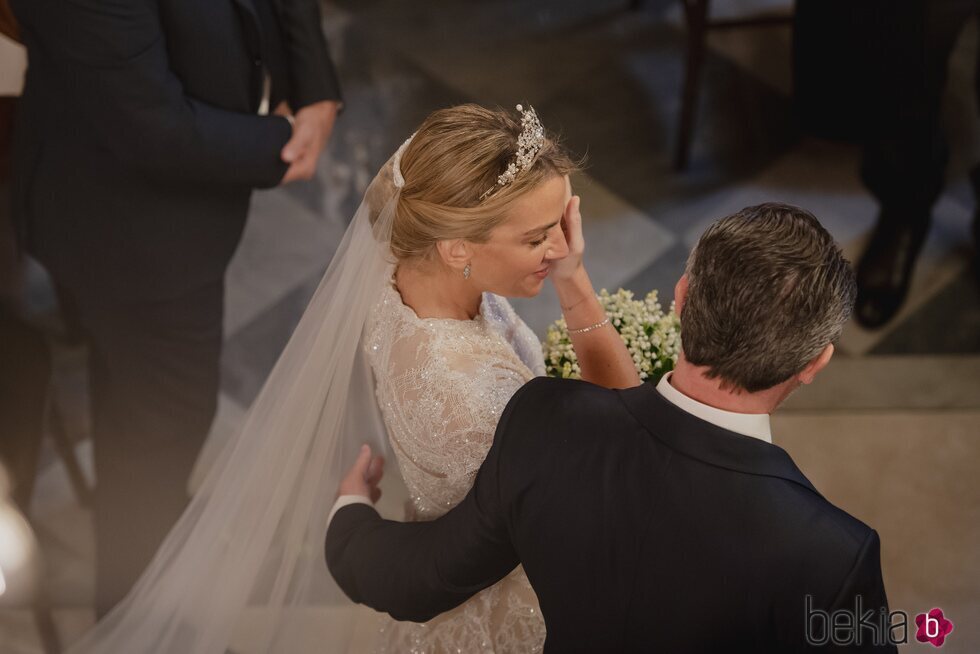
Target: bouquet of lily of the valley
<point>652,337</point>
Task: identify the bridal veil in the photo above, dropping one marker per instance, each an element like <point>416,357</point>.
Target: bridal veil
<point>247,554</point>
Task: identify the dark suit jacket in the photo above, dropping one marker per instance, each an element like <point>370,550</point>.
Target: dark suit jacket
<point>640,527</point>
<point>137,142</point>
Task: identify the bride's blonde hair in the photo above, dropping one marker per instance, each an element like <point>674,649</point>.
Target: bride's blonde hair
<point>455,156</point>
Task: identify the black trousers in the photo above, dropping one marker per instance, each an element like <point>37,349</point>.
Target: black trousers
<point>25,370</point>
<point>154,373</point>
<point>874,71</point>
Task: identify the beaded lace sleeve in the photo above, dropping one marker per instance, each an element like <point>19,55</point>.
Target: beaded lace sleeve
<point>442,386</point>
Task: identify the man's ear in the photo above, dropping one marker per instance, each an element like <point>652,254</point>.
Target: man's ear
<point>455,253</point>
<point>816,364</point>
<point>680,293</point>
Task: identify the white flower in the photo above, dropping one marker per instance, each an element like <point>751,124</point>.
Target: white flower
<point>652,337</point>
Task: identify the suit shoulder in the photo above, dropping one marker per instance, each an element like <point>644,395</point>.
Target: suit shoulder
<point>551,399</point>
<point>553,388</point>
<point>833,516</point>
<point>553,415</point>
<point>831,551</point>
<point>823,535</point>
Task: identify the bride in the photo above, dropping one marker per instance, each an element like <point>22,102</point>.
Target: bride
<point>407,335</point>
<point>447,349</point>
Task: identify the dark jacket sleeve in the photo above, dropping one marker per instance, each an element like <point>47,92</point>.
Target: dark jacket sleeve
<point>828,618</point>
<point>415,571</point>
<point>112,58</point>
<point>864,587</point>
<point>312,77</point>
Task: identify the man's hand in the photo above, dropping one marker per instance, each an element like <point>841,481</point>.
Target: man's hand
<point>363,478</point>
<point>312,126</point>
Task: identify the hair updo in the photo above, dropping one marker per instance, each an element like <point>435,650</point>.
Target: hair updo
<point>454,157</point>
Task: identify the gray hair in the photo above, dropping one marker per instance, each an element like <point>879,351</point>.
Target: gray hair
<point>768,289</point>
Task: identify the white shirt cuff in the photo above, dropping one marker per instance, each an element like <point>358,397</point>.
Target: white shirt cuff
<point>345,500</point>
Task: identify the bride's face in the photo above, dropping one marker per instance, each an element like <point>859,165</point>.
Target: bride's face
<point>517,258</point>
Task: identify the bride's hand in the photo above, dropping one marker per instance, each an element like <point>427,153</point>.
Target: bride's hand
<point>571,226</point>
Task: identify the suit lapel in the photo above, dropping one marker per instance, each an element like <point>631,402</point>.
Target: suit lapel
<point>251,26</point>
<point>704,441</point>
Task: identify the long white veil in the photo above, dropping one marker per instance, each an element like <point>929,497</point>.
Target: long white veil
<point>249,547</point>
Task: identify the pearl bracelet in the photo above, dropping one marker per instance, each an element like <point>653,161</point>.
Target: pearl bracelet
<point>601,323</point>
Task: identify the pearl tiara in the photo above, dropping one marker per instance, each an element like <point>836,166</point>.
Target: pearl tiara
<point>528,145</point>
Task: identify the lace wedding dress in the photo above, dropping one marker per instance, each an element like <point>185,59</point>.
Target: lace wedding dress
<point>441,386</point>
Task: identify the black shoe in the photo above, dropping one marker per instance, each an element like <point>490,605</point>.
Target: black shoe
<point>885,269</point>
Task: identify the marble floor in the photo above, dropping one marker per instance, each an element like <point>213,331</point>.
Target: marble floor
<point>890,431</point>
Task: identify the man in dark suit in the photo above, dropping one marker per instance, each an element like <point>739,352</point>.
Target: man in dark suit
<point>143,128</point>
<point>880,82</point>
<point>656,518</point>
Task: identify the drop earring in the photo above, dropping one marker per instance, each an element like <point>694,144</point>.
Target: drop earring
<point>466,272</point>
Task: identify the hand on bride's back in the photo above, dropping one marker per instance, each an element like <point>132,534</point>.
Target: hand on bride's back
<point>364,476</point>
<point>571,227</point>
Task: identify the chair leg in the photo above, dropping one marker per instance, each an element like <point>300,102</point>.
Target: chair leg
<point>696,18</point>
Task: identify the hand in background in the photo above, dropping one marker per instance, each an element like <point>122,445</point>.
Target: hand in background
<point>365,475</point>
<point>312,126</point>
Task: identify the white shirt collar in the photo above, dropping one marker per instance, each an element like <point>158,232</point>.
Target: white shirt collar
<point>755,425</point>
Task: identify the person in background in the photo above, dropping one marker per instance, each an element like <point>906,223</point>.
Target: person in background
<point>879,81</point>
<point>142,131</point>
